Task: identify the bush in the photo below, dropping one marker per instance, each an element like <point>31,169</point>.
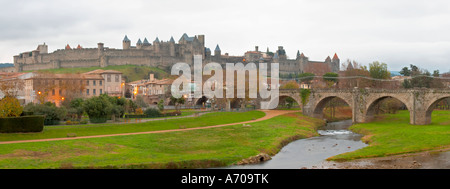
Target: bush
<point>98,108</point>
<point>52,113</point>
<point>175,113</point>
<point>151,112</point>
<point>10,107</point>
<point>22,124</point>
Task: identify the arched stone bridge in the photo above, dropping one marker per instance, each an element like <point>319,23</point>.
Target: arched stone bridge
<point>420,102</point>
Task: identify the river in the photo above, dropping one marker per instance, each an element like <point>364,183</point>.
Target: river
<point>334,139</point>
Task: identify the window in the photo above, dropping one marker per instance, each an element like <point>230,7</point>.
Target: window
<point>93,83</point>
<point>101,91</point>
<point>101,82</point>
<point>93,91</point>
<point>60,92</point>
<point>87,82</point>
<point>108,78</point>
<point>87,91</point>
<point>117,78</point>
<point>53,92</point>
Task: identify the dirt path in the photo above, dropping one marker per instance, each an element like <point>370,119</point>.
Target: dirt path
<point>269,114</point>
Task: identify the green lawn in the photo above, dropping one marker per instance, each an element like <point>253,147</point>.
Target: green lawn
<point>394,135</point>
<point>130,72</point>
<point>215,118</point>
<point>187,149</point>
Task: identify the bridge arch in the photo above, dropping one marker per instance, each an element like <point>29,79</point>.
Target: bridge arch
<point>369,112</point>
<point>283,97</point>
<point>323,101</point>
<point>432,105</point>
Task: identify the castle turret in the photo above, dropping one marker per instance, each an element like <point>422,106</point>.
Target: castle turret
<point>281,53</point>
<point>156,45</point>
<point>298,54</point>
<point>126,43</point>
<point>43,49</point>
<point>172,47</point>
<point>217,51</point>
<point>328,59</point>
<point>139,44</point>
<point>335,63</point>
<point>201,39</point>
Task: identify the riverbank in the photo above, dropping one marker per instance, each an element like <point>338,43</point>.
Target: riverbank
<point>203,148</point>
<point>391,135</point>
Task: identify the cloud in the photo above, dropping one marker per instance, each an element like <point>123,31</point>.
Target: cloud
<point>396,32</point>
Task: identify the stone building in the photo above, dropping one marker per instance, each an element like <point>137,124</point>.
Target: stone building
<point>56,88</point>
<point>163,54</point>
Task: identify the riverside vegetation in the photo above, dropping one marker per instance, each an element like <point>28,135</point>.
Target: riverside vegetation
<point>187,149</point>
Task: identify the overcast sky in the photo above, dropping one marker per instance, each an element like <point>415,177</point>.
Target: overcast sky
<point>399,32</point>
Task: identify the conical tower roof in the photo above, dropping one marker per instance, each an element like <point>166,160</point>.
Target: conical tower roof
<point>217,48</point>
<point>125,39</point>
<point>146,42</point>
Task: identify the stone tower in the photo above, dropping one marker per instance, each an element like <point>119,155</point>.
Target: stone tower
<point>126,43</point>
<point>335,64</point>
<point>217,51</point>
<point>139,44</point>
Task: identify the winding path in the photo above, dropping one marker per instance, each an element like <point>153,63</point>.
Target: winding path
<point>269,114</point>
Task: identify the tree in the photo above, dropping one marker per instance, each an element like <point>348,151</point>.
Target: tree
<point>422,78</point>
<point>379,70</point>
<point>98,109</point>
<point>405,71</point>
<point>52,113</point>
<point>177,102</point>
<point>76,107</point>
<point>10,107</point>
<point>290,85</point>
<point>306,77</point>
<point>356,76</point>
<point>141,102</point>
<point>330,78</point>
<point>161,105</point>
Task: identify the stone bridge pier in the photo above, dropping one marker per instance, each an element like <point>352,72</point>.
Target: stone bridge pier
<point>419,102</point>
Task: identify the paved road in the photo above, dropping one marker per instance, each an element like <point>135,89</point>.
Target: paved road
<point>269,114</point>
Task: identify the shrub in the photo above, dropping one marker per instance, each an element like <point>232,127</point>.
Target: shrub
<point>10,107</point>
<point>22,124</point>
<point>175,113</point>
<point>52,113</point>
<point>139,111</point>
<point>98,108</point>
<point>151,112</point>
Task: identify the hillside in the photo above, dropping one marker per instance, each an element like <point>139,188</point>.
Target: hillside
<point>130,72</point>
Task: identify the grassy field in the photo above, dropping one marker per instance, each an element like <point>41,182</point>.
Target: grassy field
<point>187,149</point>
<point>215,118</point>
<point>130,72</point>
<point>392,134</point>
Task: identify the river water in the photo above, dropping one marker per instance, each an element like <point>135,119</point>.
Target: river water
<point>334,139</point>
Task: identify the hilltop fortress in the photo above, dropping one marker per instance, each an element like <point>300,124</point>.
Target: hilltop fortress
<point>163,54</point>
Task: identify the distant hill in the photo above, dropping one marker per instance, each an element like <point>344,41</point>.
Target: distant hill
<point>2,65</point>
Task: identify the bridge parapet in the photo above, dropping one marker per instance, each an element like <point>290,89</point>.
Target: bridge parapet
<point>419,101</point>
